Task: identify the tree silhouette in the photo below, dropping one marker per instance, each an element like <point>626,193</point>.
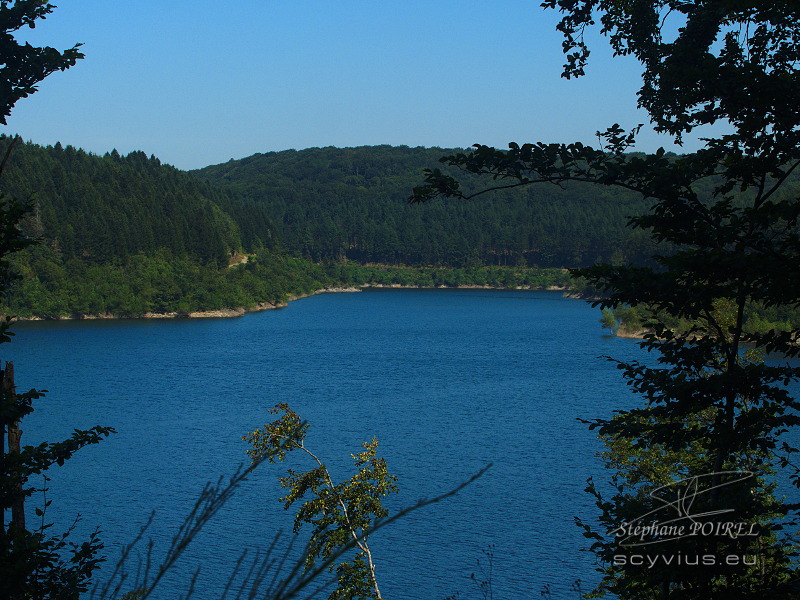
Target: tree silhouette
<point>710,413</point>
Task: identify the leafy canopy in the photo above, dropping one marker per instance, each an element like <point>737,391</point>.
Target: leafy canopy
<point>23,66</point>
<point>731,216</point>
<point>341,514</point>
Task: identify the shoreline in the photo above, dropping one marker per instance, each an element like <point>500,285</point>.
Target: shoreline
<point>633,334</point>
<point>240,311</point>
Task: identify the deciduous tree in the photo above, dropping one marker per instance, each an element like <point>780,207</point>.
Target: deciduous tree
<point>712,421</point>
<point>33,564</point>
<point>22,66</point>
<point>340,514</point>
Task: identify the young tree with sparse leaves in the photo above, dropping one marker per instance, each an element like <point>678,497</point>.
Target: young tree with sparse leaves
<point>340,514</point>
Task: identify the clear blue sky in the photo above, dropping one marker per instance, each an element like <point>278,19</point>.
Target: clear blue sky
<point>200,82</point>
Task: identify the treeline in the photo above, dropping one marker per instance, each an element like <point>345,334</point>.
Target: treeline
<point>495,277</point>
<point>164,283</point>
<point>107,208</point>
<point>127,235</point>
<point>338,204</point>
<point>157,283</point>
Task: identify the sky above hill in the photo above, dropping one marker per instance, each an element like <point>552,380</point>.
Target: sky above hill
<point>200,82</point>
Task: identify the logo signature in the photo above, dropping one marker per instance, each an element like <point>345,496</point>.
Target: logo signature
<point>675,519</point>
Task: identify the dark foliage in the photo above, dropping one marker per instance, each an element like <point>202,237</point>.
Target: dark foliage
<point>335,204</point>
<point>711,425</point>
<point>23,66</point>
<point>105,208</point>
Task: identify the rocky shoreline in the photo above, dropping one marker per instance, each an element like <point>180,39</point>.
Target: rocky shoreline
<point>223,313</point>
<point>206,314</point>
<point>635,334</point>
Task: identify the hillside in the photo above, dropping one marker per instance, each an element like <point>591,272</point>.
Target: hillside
<point>126,235</point>
<point>334,204</point>
<point>110,207</point>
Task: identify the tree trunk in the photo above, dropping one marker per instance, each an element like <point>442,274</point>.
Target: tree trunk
<point>14,446</point>
<point>2,470</point>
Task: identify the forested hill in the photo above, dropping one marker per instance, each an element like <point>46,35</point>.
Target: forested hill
<point>126,235</point>
<point>330,204</point>
<point>104,208</point>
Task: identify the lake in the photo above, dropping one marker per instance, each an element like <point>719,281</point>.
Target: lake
<point>448,380</point>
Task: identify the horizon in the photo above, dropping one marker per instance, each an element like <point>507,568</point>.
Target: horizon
<point>202,86</point>
<point>233,159</point>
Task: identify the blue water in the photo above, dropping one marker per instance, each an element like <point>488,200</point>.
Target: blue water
<point>448,380</point>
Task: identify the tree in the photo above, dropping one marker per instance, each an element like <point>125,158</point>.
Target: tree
<point>341,514</point>
<point>23,66</point>
<point>609,321</point>
<point>32,563</point>
<point>712,418</point>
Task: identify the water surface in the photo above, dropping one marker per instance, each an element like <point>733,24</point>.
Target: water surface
<point>448,380</point>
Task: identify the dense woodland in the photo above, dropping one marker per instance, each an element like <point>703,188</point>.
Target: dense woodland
<point>127,235</point>
<point>106,208</point>
<point>332,204</point>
